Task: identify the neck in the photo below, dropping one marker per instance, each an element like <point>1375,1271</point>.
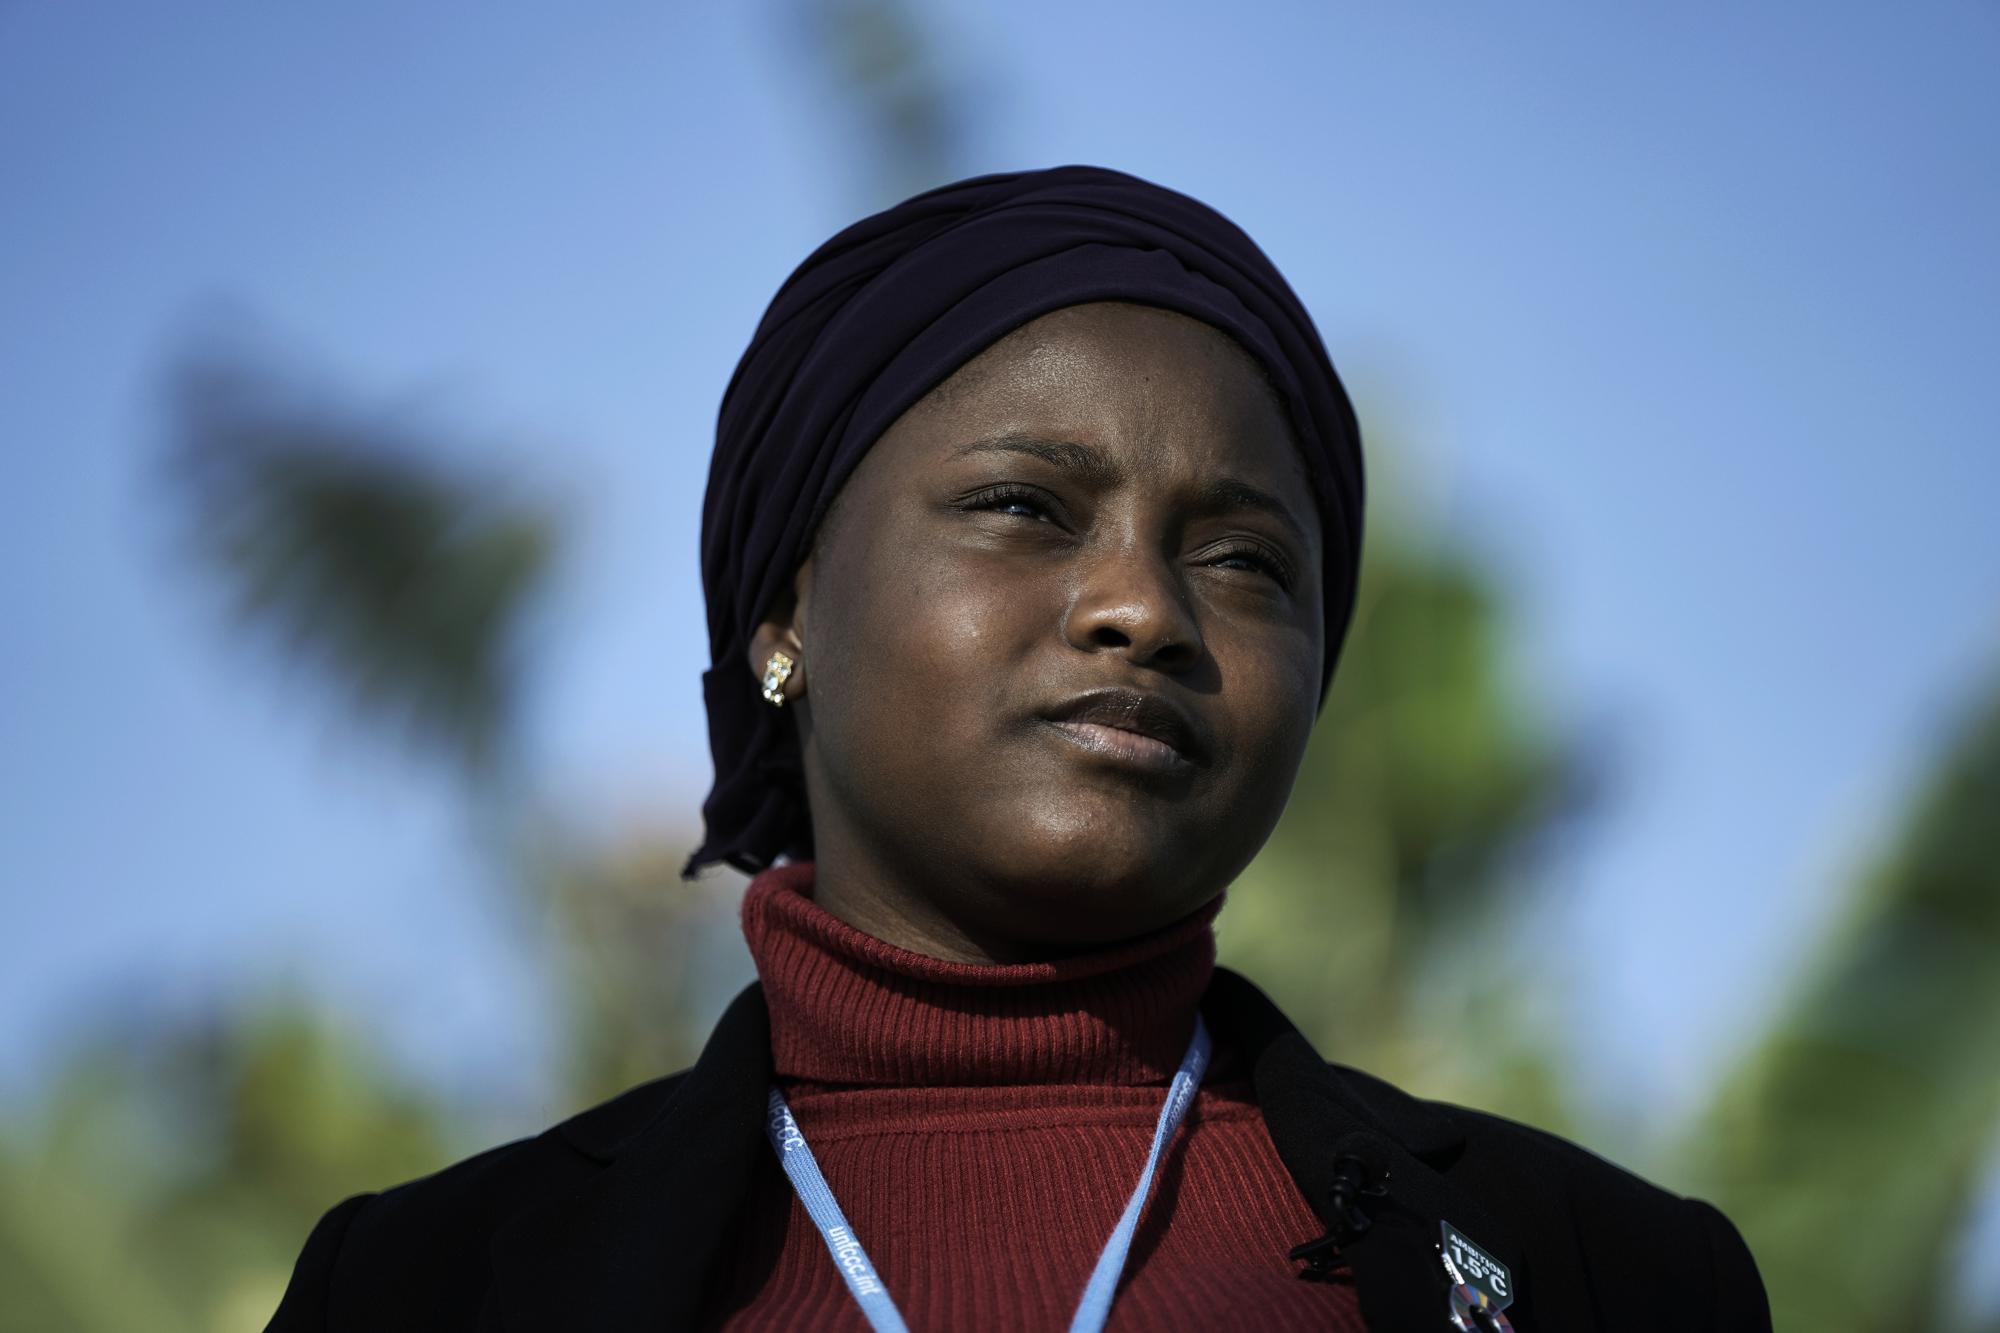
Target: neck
<point>912,923</point>
<point>914,913</point>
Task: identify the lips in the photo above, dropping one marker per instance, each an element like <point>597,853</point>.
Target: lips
<point>1130,727</point>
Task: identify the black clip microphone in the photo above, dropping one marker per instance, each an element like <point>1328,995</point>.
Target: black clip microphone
<point>1353,1180</point>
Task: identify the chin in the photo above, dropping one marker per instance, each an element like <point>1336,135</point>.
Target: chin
<point>1089,874</point>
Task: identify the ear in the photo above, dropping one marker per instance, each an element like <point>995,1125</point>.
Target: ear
<point>783,631</point>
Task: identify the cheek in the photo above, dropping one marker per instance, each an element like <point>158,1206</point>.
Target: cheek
<point>1271,695</point>
<point>923,653</point>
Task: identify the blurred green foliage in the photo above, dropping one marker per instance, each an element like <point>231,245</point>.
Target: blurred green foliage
<point>165,1180</point>
<point>400,581</point>
<point>1857,1128</point>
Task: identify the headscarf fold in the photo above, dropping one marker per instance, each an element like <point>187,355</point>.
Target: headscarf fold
<point>885,311</point>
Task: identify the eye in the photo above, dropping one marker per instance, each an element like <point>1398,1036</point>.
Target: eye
<point>1016,500</point>
<point>1256,560</point>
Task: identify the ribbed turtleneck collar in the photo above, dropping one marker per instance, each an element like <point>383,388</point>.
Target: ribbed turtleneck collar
<point>848,1008</point>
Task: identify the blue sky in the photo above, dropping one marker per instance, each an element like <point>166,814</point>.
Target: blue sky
<point>1683,321</point>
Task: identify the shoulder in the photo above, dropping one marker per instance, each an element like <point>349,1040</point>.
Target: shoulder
<point>1520,1159</point>
<point>418,1254</point>
<point>1593,1244</point>
<point>1595,1228</point>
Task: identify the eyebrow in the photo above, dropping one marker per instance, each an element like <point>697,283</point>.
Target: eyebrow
<point>1089,463</point>
<point>1228,493</point>
<point>1222,494</point>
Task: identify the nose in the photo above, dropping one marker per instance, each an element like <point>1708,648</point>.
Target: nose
<point>1130,601</point>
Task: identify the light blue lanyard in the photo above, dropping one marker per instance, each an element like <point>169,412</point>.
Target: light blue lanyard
<point>866,1284</point>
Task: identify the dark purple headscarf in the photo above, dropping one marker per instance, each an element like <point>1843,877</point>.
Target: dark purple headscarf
<point>876,318</point>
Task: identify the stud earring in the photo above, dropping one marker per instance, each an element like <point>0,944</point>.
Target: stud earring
<point>776,672</point>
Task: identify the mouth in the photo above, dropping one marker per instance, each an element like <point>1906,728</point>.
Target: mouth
<point>1130,729</point>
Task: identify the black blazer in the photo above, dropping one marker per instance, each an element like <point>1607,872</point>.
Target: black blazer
<point>611,1220</point>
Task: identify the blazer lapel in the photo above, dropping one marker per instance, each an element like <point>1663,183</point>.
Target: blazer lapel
<point>633,1246</point>
<point>1319,1113</point>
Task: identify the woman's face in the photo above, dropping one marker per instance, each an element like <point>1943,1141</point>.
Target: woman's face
<point>1059,645</point>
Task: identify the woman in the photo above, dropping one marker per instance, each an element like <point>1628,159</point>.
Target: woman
<point>1030,542</point>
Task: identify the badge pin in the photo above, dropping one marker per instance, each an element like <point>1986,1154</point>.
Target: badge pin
<point>1481,1286</point>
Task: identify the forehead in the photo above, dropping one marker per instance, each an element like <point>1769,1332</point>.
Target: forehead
<point>1155,386</point>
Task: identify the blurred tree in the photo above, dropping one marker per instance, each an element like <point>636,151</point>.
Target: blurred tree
<point>645,959</point>
<point>1849,1145</point>
<point>172,1171</point>
<point>403,585</point>
<point>402,582</point>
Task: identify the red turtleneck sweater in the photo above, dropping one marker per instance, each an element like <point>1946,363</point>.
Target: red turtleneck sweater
<point>983,1127</point>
